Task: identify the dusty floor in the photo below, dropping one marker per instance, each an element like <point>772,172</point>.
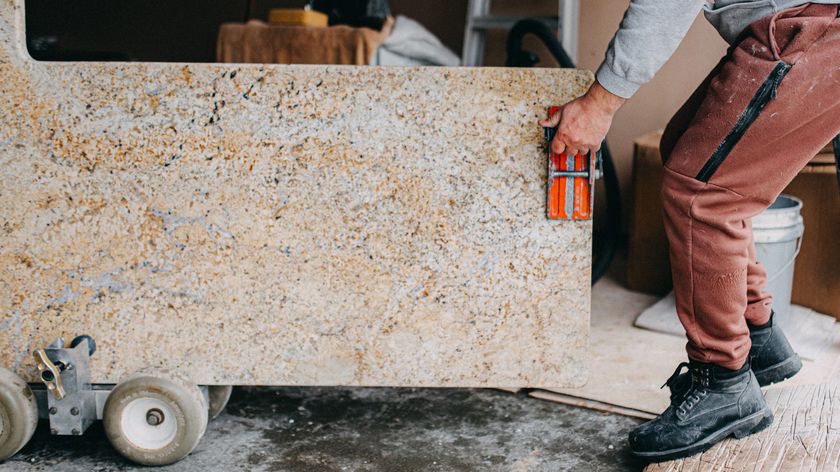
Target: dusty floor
<point>317,429</point>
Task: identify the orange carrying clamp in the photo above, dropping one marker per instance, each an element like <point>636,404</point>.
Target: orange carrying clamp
<point>570,193</point>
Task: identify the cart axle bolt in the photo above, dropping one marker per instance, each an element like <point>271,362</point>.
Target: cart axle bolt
<point>53,410</point>
<point>76,432</point>
<point>74,411</point>
<point>154,417</point>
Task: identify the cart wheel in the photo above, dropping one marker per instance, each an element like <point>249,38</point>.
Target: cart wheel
<point>155,419</point>
<point>219,396</point>
<point>18,414</point>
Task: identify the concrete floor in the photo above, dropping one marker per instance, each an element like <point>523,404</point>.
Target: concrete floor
<point>335,429</point>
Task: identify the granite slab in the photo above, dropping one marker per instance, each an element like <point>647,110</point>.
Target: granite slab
<point>287,225</point>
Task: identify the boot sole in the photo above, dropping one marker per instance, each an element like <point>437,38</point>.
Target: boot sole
<point>742,428</point>
<point>779,372</point>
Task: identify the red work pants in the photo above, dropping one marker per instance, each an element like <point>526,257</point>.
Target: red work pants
<point>770,105</point>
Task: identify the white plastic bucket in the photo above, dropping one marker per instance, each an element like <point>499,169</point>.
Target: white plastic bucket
<point>778,238</point>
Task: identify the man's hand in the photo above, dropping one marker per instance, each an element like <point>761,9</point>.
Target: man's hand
<point>582,124</point>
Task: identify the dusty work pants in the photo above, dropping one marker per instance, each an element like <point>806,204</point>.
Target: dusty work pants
<point>770,105</point>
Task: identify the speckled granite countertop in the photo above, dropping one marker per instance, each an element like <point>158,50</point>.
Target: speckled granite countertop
<point>287,225</point>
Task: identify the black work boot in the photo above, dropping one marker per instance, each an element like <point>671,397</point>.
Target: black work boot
<point>718,403</point>
<point>773,359</point>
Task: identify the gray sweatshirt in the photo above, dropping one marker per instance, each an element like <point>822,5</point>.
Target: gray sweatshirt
<point>652,30</point>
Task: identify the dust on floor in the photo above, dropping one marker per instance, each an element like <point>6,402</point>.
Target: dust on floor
<point>373,429</point>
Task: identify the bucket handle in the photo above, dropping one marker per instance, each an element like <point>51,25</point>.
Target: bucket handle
<point>789,263</point>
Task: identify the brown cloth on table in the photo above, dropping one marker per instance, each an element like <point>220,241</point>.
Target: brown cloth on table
<point>259,42</point>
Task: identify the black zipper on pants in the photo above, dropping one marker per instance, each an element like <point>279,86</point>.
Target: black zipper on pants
<point>836,143</point>
<point>765,93</point>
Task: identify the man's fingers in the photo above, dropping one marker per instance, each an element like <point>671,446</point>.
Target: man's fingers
<point>557,145</point>
<point>582,149</point>
<point>570,146</point>
<point>553,121</point>
<point>593,148</point>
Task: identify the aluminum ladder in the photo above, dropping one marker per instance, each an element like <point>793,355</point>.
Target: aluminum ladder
<point>479,20</point>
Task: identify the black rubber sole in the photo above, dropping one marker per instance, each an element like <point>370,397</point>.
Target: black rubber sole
<point>742,428</point>
<point>779,372</point>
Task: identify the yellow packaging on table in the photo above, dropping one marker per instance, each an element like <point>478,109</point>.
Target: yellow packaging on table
<point>297,17</point>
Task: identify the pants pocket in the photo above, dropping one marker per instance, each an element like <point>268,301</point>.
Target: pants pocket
<point>765,93</point>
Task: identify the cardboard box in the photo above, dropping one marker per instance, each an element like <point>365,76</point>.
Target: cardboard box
<point>817,275</point>
<point>648,266</point>
<point>816,280</point>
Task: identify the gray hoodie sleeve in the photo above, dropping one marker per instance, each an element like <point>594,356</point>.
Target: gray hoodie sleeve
<point>649,34</point>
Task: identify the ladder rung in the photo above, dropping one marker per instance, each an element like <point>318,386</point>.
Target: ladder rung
<point>506,22</point>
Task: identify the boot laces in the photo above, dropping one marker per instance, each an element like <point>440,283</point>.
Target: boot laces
<point>700,378</point>
<point>672,380</point>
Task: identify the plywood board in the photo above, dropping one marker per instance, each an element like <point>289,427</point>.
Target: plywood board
<point>589,404</point>
<point>287,225</point>
<point>805,436</point>
<point>629,365</point>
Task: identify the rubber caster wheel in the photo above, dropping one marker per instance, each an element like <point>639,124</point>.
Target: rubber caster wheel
<point>18,414</point>
<point>219,396</point>
<point>155,418</point>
